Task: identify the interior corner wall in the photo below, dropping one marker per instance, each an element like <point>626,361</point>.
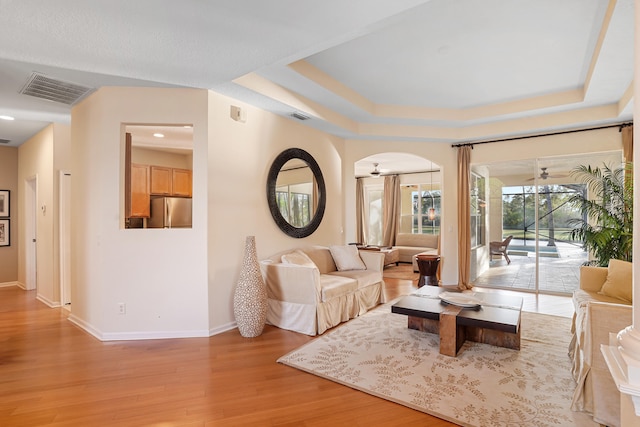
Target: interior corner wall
<point>443,154</point>
<point>160,275</point>
<point>61,162</point>
<point>9,181</point>
<point>35,160</point>
<point>240,155</point>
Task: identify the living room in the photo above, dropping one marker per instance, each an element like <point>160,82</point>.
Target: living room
<point>180,283</point>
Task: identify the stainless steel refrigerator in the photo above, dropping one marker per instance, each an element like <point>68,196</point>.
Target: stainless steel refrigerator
<point>170,212</point>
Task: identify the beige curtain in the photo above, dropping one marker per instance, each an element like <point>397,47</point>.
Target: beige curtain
<point>361,234</point>
<point>391,209</point>
<point>315,197</point>
<point>627,143</point>
<point>627,151</point>
<point>464,217</point>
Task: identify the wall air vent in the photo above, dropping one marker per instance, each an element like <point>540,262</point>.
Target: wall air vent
<point>55,90</point>
<point>299,116</point>
<point>4,141</point>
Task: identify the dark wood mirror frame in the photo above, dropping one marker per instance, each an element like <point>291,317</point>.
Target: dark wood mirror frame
<point>288,229</point>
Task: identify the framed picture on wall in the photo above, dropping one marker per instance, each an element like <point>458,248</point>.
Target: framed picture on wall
<point>4,232</point>
<point>4,203</point>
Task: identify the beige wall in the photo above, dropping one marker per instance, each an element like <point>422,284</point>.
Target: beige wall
<point>240,155</point>
<point>180,282</point>
<point>160,275</point>
<point>40,159</point>
<point>9,181</point>
<point>61,164</point>
<point>35,162</point>
<point>147,156</point>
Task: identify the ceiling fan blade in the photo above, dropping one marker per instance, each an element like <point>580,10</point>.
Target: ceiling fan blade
<point>548,176</point>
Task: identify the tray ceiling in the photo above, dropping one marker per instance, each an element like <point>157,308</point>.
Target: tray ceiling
<point>440,70</point>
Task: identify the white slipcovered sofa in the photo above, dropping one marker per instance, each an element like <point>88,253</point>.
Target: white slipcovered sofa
<point>602,307</point>
<point>410,245</point>
<point>308,293</point>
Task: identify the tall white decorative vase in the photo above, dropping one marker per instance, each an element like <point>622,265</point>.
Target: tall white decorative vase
<point>250,297</point>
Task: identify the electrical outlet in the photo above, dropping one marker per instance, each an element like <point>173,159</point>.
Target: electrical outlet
<point>122,308</point>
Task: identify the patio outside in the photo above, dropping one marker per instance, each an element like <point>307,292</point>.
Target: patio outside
<point>559,268</point>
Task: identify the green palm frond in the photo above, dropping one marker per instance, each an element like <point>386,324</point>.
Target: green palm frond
<point>607,224</point>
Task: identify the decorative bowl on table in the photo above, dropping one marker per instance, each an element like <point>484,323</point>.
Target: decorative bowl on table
<point>465,300</point>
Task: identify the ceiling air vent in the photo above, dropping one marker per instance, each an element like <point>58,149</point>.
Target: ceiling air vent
<point>299,116</point>
<point>4,141</point>
<point>55,90</point>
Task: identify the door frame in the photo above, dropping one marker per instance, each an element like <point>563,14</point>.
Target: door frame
<point>31,232</point>
<point>64,217</point>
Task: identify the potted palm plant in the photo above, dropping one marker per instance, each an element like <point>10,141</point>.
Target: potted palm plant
<point>606,226</point>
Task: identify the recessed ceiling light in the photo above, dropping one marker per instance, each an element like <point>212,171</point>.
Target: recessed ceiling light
<point>7,118</point>
<point>158,135</point>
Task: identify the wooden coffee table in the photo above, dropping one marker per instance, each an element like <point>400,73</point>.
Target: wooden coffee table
<point>495,322</point>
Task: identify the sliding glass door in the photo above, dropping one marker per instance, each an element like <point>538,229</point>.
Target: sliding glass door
<point>528,200</point>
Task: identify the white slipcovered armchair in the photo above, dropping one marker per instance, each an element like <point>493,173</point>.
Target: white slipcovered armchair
<point>602,307</point>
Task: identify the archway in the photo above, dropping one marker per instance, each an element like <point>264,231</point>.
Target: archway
<point>420,188</point>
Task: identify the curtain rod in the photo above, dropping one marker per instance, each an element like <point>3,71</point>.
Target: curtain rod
<point>471,144</point>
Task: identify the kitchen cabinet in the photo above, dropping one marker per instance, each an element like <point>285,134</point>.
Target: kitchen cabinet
<point>161,181</point>
<point>167,181</point>
<point>181,182</point>
<point>140,196</point>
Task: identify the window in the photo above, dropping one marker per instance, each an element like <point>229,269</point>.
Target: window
<point>478,210</point>
<point>294,206</point>
<point>555,213</point>
<point>373,207</point>
<point>420,213</point>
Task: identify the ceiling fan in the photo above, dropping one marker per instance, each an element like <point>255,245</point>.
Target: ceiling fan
<point>544,175</point>
<point>375,172</point>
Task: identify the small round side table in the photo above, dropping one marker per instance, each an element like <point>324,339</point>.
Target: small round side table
<point>428,266</point>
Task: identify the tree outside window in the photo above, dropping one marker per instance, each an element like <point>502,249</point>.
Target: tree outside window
<point>417,200</point>
<point>478,210</point>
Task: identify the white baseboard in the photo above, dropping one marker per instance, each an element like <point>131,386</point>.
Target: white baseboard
<point>7,284</point>
<point>223,328</point>
<point>155,335</point>
<point>135,336</point>
<point>52,304</point>
<point>85,326</point>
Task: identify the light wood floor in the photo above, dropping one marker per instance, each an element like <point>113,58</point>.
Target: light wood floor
<point>54,374</point>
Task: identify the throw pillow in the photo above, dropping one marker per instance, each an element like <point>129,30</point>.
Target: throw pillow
<point>298,258</point>
<point>619,281</point>
<point>347,258</point>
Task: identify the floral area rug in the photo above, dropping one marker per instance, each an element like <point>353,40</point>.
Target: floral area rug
<point>483,386</point>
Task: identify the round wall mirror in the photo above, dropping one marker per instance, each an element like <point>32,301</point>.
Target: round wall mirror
<point>296,192</point>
